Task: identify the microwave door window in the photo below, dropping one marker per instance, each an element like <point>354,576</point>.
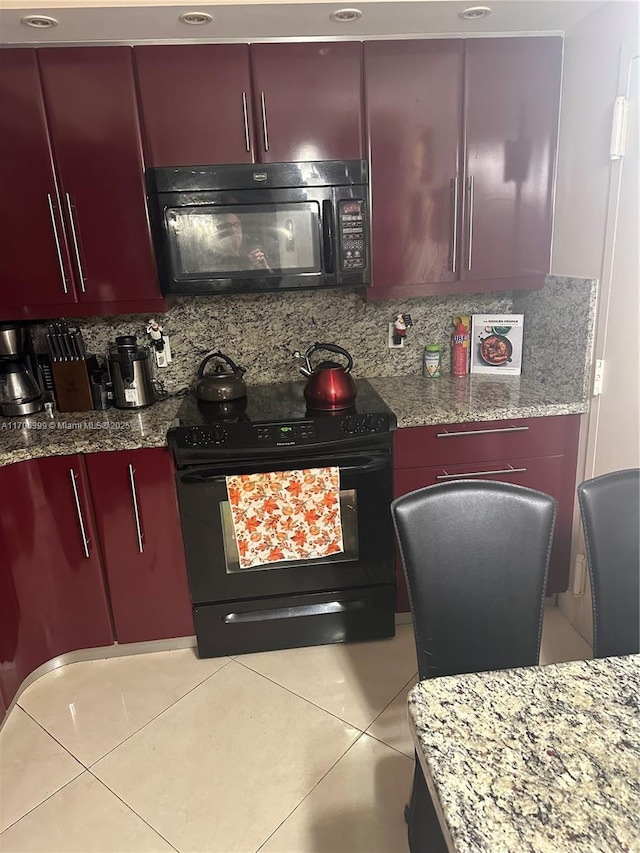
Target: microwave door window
<point>220,242</point>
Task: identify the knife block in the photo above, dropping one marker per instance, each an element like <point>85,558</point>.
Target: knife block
<point>72,386</point>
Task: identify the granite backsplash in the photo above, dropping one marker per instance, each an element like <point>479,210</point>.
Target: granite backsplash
<point>261,331</point>
<point>559,333</point>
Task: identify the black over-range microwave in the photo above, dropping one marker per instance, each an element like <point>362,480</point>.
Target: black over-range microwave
<point>264,227</point>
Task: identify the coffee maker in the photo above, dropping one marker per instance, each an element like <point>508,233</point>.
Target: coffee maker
<point>20,390</point>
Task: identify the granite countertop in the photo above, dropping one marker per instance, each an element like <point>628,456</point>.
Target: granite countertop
<point>417,401</point>
<point>85,432</point>
<point>538,760</point>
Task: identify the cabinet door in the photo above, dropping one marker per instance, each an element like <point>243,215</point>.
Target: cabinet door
<point>548,474</point>
<point>35,266</point>
<point>308,101</point>
<point>200,113</point>
<point>136,510</point>
<point>52,593</point>
<point>93,116</point>
<point>511,125</point>
<point>414,117</point>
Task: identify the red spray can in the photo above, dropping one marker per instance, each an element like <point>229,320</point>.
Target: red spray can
<point>460,340</point>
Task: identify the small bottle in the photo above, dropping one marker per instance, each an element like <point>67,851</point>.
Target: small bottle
<point>431,363</point>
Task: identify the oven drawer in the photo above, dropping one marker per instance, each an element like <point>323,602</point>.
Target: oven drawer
<point>258,625</point>
<point>482,441</point>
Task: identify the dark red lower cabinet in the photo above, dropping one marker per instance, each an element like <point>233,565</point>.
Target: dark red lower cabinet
<point>52,592</point>
<point>509,451</point>
<point>136,510</point>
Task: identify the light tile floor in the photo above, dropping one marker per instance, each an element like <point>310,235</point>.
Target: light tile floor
<point>298,751</point>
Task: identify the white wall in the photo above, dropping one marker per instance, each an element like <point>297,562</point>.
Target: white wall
<point>589,87</point>
<point>598,52</point>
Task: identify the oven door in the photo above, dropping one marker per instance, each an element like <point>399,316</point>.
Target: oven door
<point>212,557</point>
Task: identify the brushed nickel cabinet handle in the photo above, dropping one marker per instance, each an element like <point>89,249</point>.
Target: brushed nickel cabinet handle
<point>263,104</point>
<point>76,497</point>
<point>454,224</point>
<point>76,247</point>
<point>482,431</point>
<point>136,511</point>
<point>245,115</point>
<point>509,470</point>
<point>471,195</point>
<point>57,242</point>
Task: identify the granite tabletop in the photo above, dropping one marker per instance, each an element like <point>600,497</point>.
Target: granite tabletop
<point>417,401</point>
<point>535,760</point>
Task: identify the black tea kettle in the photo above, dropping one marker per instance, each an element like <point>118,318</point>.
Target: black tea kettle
<point>224,383</point>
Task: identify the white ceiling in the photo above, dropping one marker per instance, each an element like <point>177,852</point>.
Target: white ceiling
<point>127,21</point>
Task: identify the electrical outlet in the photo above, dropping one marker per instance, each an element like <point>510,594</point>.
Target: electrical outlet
<point>391,343</point>
<point>598,377</point>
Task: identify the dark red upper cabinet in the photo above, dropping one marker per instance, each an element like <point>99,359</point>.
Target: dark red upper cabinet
<point>52,593</point>
<point>414,114</point>
<point>270,103</point>
<point>512,95</point>
<point>308,101</point>
<point>91,104</point>
<point>463,148</point>
<point>196,103</point>
<point>35,266</point>
<point>139,527</point>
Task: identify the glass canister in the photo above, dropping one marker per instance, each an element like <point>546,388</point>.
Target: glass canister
<point>431,361</point>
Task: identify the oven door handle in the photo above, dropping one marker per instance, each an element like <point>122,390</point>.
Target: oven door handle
<point>374,463</point>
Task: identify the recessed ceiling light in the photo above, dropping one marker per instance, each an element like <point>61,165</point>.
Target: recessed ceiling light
<point>39,22</point>
<point>474,13</point>
<point>345,16</point>
<point>196,19</point>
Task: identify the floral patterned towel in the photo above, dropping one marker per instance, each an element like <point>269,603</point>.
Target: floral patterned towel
<point>286,515</point>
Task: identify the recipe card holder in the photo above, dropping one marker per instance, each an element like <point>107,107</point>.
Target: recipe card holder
<point>72,385</point>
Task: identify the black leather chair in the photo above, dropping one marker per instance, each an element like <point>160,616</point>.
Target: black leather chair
<point>610,509</point>
<point>475,556</point>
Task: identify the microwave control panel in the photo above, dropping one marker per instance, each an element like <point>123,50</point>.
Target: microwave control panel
<point>351,222</point>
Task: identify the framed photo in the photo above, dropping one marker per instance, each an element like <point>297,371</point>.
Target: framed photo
<point>496,343</point>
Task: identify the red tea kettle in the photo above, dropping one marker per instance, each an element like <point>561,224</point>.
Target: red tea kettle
<point>330,384</point>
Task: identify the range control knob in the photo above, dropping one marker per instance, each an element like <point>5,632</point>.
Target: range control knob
<point>350,424</point>
<point>193,437</point>
<point>220,434</point>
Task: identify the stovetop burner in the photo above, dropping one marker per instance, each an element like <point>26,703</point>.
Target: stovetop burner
<point>275,418</point>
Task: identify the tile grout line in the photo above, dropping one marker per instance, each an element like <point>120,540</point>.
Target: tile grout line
<point>304,698</point>
<point>410,681</point>
<point>57,791</point>
<point>311,790</point>
<point>46,799</point>
<point>131,734</point>
<point>159,714</point>
<point>389,746</point>
<point>315,705</point>
<point>132,810</point>
<point>86,768</point>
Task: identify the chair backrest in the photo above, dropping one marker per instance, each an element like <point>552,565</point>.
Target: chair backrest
<point>475,556</point>
<point>610,509</point>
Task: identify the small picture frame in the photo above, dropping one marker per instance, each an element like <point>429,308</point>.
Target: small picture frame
<point>496,343</point>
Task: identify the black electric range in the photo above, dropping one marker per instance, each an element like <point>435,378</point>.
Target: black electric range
<point>274,420</point>
<point>345,596</point>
